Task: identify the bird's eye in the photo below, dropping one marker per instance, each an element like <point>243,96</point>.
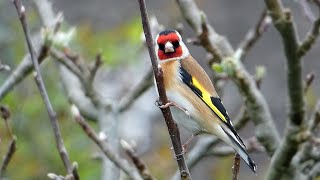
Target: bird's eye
<point>161,47</point>
<point>175,44</point>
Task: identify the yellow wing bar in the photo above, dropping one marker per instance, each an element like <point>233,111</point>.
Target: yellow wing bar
<point>207,99</point>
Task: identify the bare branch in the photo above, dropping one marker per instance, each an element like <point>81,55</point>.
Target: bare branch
<point>38,78</point>
<point>308,81</point>
<point>104,147</point>
<point>139,89</point>
<point>236,167</point>
<point>23,69</point>
<point>144,171</point>
<point>4,67</point>
<point>197,20</point>
<point>254,34</point>
<point>97,64</point>
<point>63,59</point>
<point>172,127</point>
<point>8,156</point>
<point>5,114</point>
<point>310,39</point>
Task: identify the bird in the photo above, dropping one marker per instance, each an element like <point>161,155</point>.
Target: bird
<point>189,88</point>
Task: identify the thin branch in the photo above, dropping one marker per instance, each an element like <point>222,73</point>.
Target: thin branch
<point>4,67</point>
<point>236,167</point>
<point>308,81</point>
<point>5,114</point>
<point>207,34</point>
<point>310,39</point>
<point>172,127</point>
<point>63,59</point>
<point>8,156</point>
<point>69,79</point>
<point>97,64</point>
<point>144,171</point>
<point>254,34</point>
<point>108,127</point>
<point>123,164</point>
<point>38,78</point>
<point>137,91</point>
<point>20,73</point>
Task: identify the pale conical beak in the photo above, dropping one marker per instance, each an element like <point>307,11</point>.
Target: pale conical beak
<point>168,47</point>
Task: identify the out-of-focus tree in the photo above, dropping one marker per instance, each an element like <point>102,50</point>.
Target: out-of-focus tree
<point>101,81</point>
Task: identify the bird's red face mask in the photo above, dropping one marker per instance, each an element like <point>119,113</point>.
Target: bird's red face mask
<point>169,45</point>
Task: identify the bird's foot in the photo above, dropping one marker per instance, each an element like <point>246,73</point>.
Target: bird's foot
<point>180,155</point>
<point>185,145</point>
<point>170,103</point>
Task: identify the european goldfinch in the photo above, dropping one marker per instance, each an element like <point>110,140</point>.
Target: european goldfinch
<point>189,88</point>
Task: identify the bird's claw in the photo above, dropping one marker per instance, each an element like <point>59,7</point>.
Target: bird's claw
<point>170,103</point>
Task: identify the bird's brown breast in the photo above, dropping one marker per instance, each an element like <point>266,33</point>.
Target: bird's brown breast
<point>199,110</point>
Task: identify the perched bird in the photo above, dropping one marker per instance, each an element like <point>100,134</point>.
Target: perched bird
<point>189,88</point>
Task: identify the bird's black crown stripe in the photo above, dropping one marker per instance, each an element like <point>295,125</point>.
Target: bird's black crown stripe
<point>166,32</point>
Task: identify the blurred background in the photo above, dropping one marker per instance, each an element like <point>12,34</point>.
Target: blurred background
<point>114,28</point>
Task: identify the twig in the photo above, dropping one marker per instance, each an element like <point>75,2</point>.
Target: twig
<point>308,81</point>
<point>108,127</point>
<point>21,72</point>
<point>197,20</point>
<point>69,80</point>
<point>144,171</point>
<point>4,67</point>
<point>172,127</point>
<point>8,156</point>
<point>104,147</point>
<point>5,114</point>
<point>236,167</point>
<point>97,64</point>
<point>254,34</point>
<point>310,39</point>
<point>63,59</point>
<point>38,78</point>
<point>139,89</point>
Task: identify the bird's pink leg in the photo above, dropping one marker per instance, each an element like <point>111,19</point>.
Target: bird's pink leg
<point>171,103</point>
<point>185,145</point>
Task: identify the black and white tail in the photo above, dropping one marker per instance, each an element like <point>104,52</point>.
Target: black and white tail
<point>234,140</point>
